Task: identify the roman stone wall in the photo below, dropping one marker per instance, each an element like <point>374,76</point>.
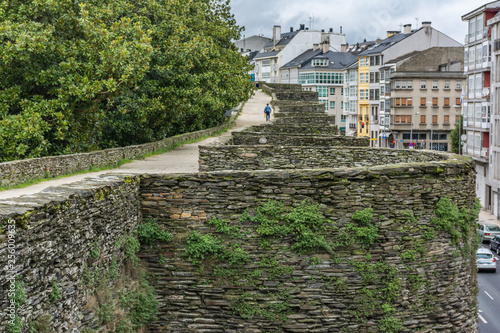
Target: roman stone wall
<point>300,129</point>
<point>252,138</point>
<point>288,119</point>
<point>303,96</point>
<point>302,107</point>
<point>22,171</point>
<point>62,236</point>
<point>213,158</point>
<point>428,279</point>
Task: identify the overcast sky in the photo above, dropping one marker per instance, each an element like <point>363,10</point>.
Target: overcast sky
<point>359,19</point>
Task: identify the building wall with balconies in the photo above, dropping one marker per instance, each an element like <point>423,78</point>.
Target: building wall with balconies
<point>492,180</point>
<point>481,99</point>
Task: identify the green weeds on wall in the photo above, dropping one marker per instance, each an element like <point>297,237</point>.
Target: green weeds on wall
<point>285,232</point>
<point>126,301</point>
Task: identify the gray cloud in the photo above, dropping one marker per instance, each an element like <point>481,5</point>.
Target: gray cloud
<point>360,19</point>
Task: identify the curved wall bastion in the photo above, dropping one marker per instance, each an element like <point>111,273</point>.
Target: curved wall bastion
<point>267,238</point>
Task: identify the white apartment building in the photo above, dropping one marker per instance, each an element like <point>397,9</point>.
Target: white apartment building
<point>284,47</point>
<point>480,106</point>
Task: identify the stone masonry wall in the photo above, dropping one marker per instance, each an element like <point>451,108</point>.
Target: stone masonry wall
<point>55,235</point>
<point>213,158</point>
<point>288,119</point>
<point>252,138</point>
<point>302,129</point>
<point>22,171</point>
<point>304,107</point>
<point>434,293</point>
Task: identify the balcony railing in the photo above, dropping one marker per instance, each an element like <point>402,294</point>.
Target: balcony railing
<point>485,152</point>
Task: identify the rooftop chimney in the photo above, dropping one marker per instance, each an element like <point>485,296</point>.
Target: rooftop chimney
<point>426,24</point>
<point>392,33</point>
<point>340,29</point>
<point>343,47</point>
<point>291,29</point>
<point>315,47</point>
<point>331,29</point>
<point>302,27</point>
<point>407,29</point>
<point>276,34</point>
<point>325,47</point>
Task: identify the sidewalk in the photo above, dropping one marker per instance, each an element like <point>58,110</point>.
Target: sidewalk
<point>487,218</point>
<point>184,159</point>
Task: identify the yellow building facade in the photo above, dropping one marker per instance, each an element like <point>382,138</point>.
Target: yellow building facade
<point>363,96</point>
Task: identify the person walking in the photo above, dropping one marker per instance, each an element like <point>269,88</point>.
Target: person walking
<point>267,112</point>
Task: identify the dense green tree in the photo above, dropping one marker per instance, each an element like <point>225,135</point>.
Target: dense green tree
<point>196,72</point>
<point>88,74</point>
<point>455,136</point>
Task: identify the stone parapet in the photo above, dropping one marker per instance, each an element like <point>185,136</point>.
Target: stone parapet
<point>22,171</point>
<point>60,236</point>
<point>331,293</point>
<point>255,138</point>
<point>265,157</point>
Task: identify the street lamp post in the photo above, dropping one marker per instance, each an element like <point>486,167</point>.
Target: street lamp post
<point>432,120</point>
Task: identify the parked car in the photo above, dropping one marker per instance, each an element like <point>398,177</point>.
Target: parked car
<point>488,231</point>
<point>486,260</point>
<point>495,244</point>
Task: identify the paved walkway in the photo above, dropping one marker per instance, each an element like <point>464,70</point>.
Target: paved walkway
<point>184,159</point>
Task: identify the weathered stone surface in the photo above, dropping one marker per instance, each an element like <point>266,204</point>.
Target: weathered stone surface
<point>56,230</point>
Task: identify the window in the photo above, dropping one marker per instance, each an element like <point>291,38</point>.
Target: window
<point>321,78</point>
<point>372,77</point>
<point>403,119</point>
<point>342,91</point>
<point>362,94</point>
<point>403,84</point>
<point>342,105</point>
<point>457,101</point>
<point>332,105</point>
<point>422,119</point>
<point>458,85</point>
<point>397,84</point>
<point>343,118</point>
<point>479,27</point>
<point>266,62</point>
<point>434,84</point>
<point>409,84</point>
<point>332,91</point>
<point>382,76</point>
<point>423,84</point>
<point>446,101</point>
<point>434,101</point>
<point>423,101</point>
<point>446,119</point>
<point>320,62</point>
<point>434,119</point>
<point>446,84</point>
<point>322,91</point>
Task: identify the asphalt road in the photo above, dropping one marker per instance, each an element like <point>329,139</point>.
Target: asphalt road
<point>489,300</point>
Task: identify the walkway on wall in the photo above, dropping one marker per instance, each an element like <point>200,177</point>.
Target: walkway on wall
<point>181,160</point>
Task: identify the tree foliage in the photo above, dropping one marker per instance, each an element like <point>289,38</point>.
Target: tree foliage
<point>84,75</point>
<point>455,136</point>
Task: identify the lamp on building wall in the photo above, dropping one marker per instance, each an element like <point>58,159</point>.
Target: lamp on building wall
<point>432,120</point>
<point>459,110</point>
